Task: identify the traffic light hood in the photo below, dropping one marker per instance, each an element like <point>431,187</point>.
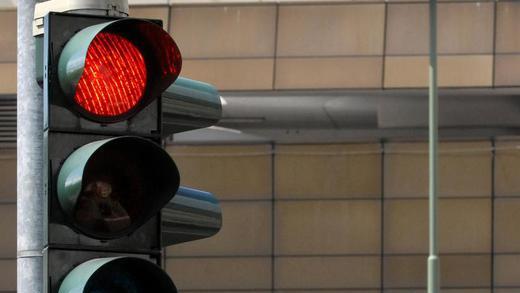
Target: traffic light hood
<point>117,274</point>
<point>189,104</point>
<point>111,70</point>
<point>111,187</point>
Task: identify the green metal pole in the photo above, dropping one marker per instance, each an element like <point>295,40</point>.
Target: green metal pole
<point>433,259</point>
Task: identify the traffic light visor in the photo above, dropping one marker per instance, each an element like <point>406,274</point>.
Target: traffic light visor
<point>119,274</point>
<point>111,70</point>
<point>109,188</point>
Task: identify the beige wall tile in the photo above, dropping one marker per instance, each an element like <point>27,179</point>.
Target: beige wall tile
<point>439,0</point>
<point>464,169</point>
<point>507,168</point>
<point>8,78</point>
<point>466,270</point>
<point>467,173</point>
<point>8,176</point>
<point>465,226</point>
<point>246,230</point>
<point>213,291</point>
<point>407,29</point>
<point>508,290</point>
<point>462,71</point>
<point>327,272</point>
<point>151,12</point>
<point>329,171</point>
<point>406,226</point>
<point>442,291</point>
<point>507,217</point>
<point>328,291</point>
<point>330,30</point>
<point>229,172</point>
<point>8,273</point>
<point>8,36</point>
<point>232,74</point>
<point>224,30</point>
<point>466,291</point>
<point>472,290</point>
<point>454,71</point>
<point>406,72</point>
<point>317,73</point>
<point>465,27</point>
<point>333,1</point>
<point>220,273</point>
<point>507,270</point>
<point>8,228</point>
<point>404,271</point>
<point>507,38</point>
<point>327,227</point>
<point>456,271</point>
<point>507,70</point>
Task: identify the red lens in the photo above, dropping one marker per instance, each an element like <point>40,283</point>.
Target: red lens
<point>114,77</point>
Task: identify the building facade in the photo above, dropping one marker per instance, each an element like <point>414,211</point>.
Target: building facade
<point>328,217</point>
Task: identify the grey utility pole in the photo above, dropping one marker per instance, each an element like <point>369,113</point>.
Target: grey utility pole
<point>433,259</point>
<point>30,158</point>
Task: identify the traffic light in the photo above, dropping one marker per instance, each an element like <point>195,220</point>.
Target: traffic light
<point>111,193</point>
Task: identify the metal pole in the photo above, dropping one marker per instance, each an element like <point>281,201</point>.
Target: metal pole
<point>433,259</point>
<point>29,159</point>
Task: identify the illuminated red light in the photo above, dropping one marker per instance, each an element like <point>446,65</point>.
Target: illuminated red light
<point>114,77</point>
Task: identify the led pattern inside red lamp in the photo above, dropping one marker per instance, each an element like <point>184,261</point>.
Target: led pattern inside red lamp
<point>114,76</point>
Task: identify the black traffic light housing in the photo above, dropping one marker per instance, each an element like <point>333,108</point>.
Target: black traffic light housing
<point>108,183</point>
<point>106,176</point>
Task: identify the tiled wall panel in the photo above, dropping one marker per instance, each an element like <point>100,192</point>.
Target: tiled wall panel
<point>507,70</point>
<point>330,30</point>
<point>407,29</point>
<point>333,244</point>
<point>327,227</point>
<point>246,230</point>
<point>507,218</point>
<point>328,73</point>
<point>465,169</point>
<point>224,31</point>
<point>8,273</point>
<point>465,226</point>
<point>454,71</point>
<point>230,172</point>
<point>220,273</point>
<point>8,36</point>
<point>456,271</point>
<point>8,230</point>
<point>507,166</point>
<point>465,28</point>
<point>328,171</point>
<point>326,46</point>
<point>152,12</point>
<point>327,272</point>
<point>7,78</point>
<point>8,176</point>
<point>507,38</point>
<point>507,270</point>
<point>471,290</point>
<point>232,74</point>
